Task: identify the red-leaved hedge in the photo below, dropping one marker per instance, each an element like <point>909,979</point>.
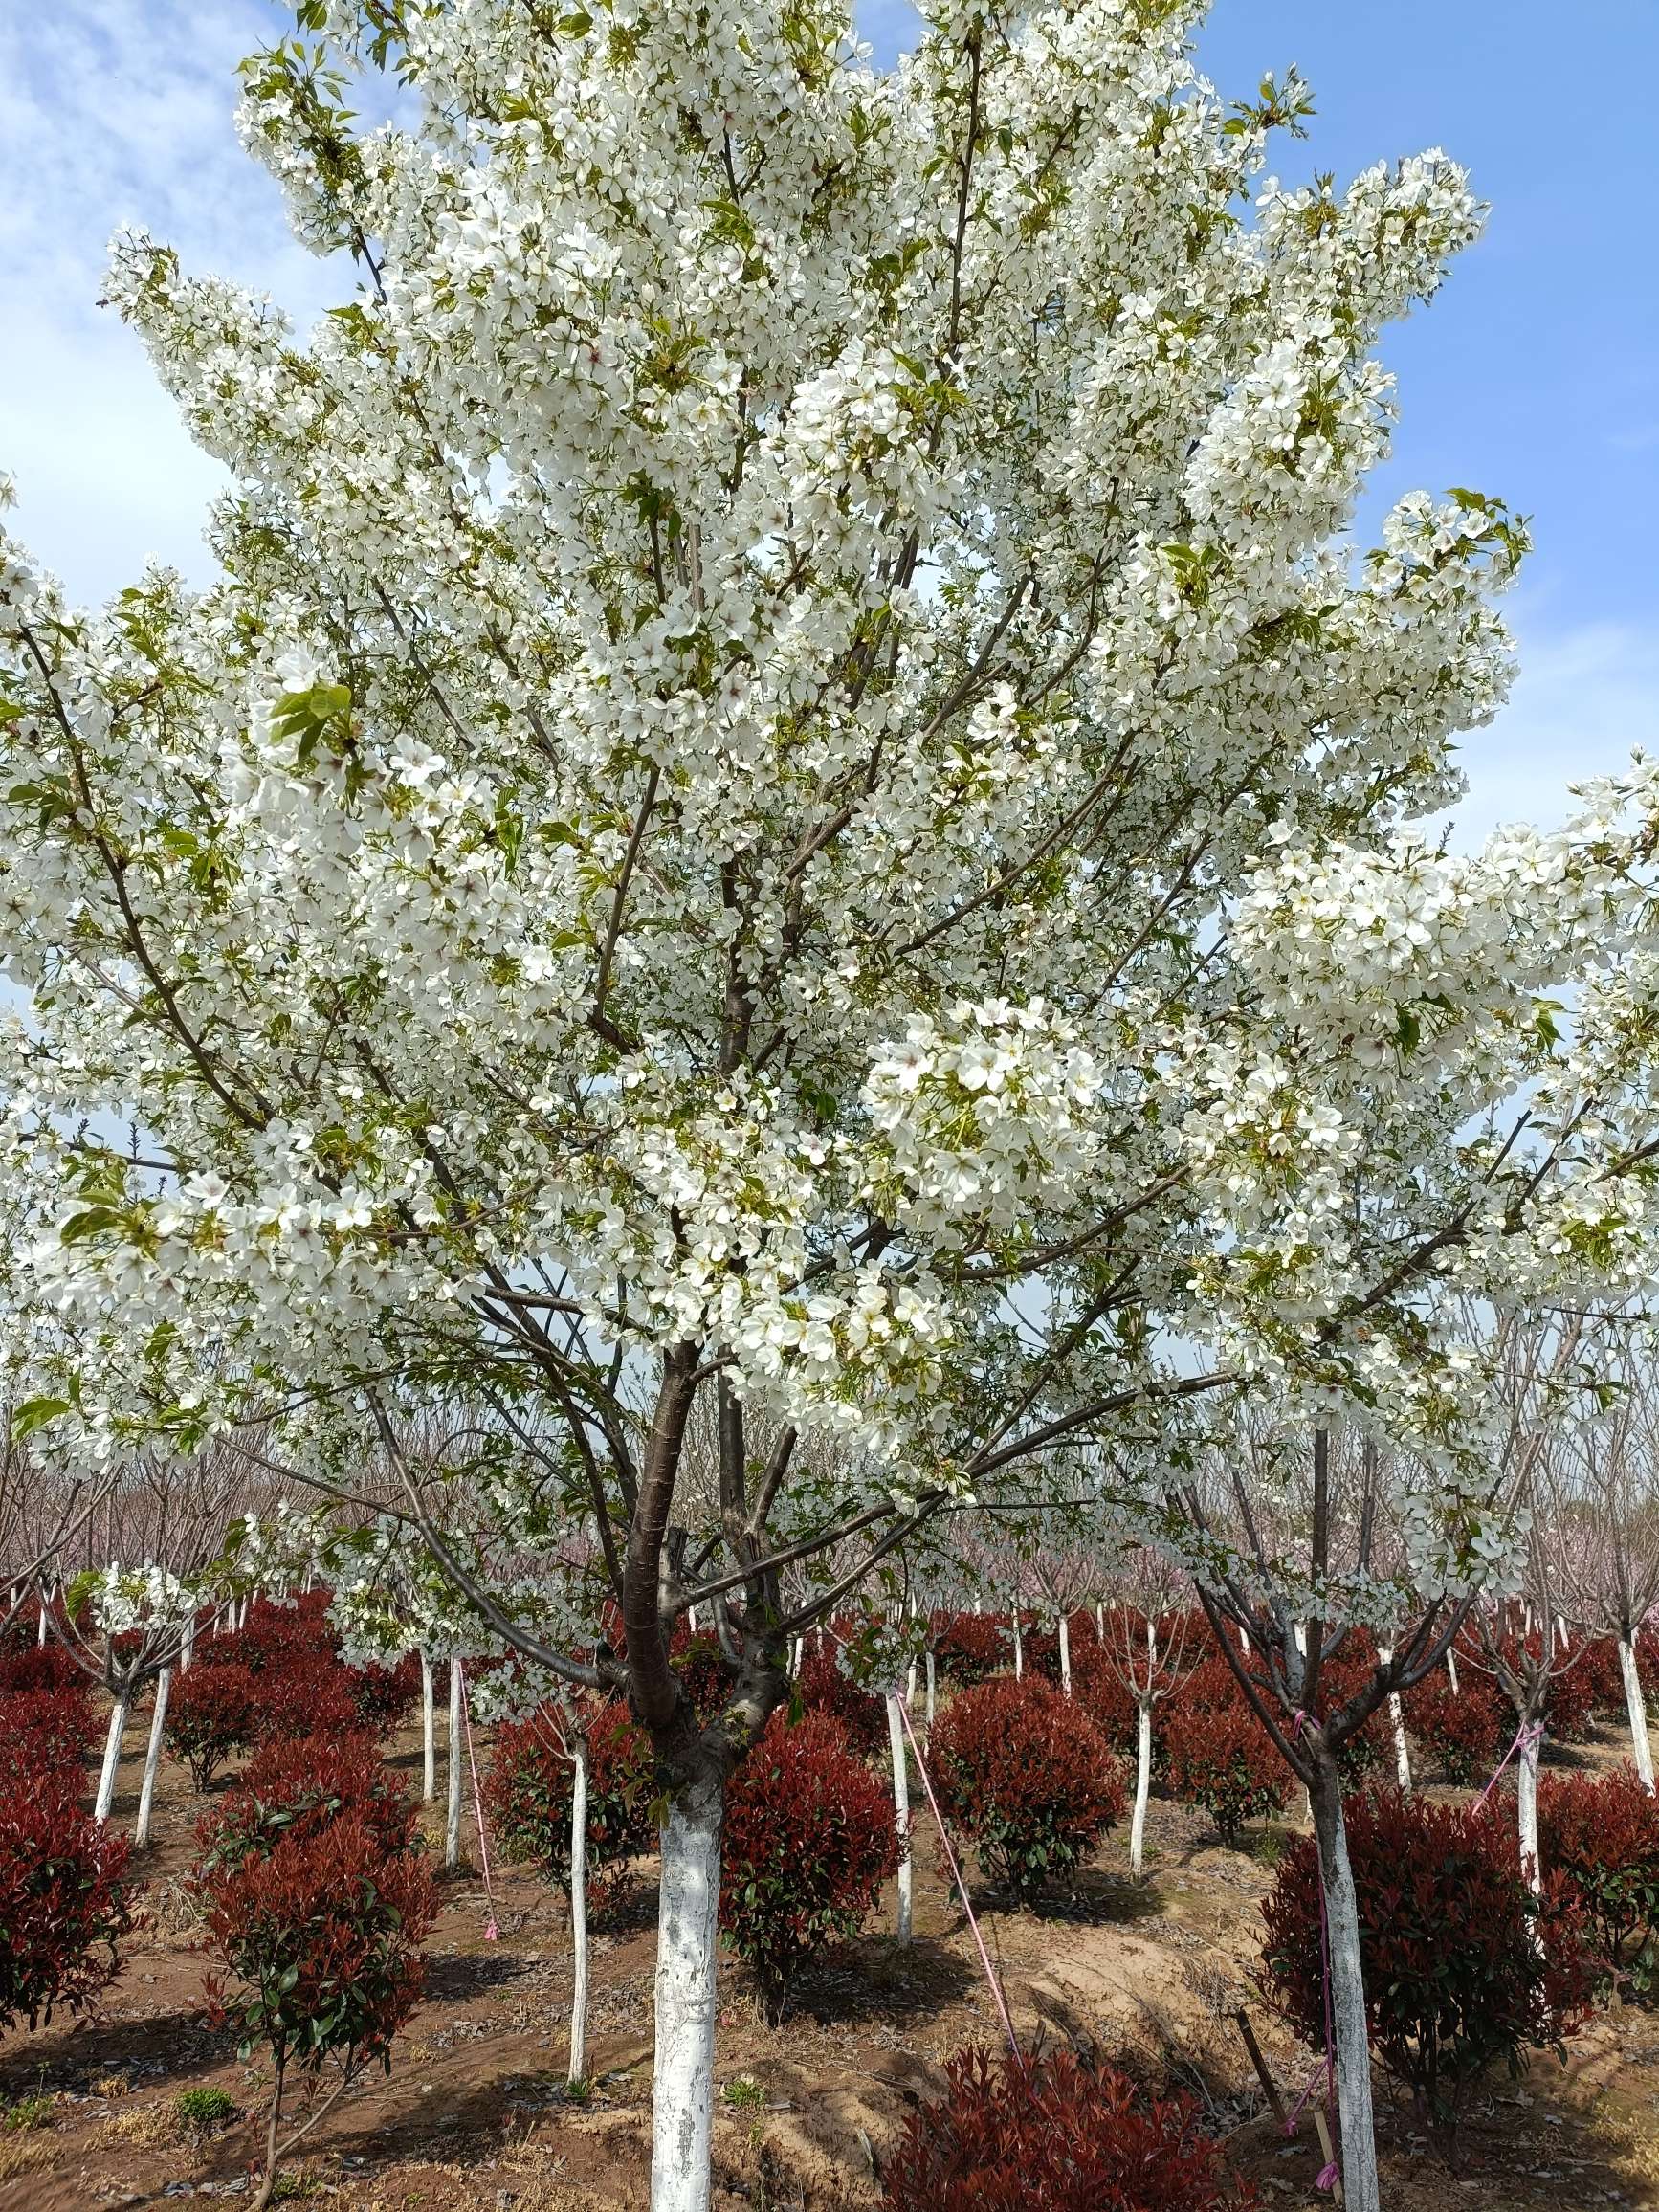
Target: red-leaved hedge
<point>1463,1967</point>
<point>1026,1773</point>
<point>1465,1731</point>
<point>212,1712</point>
<point>1599,1834</point>
<point>300,1788</point>
<point>44,1737</point>
<point>1219,1755</point>
<point>65,1904</point>
<point>826,1689</point>
<point>807,1842</point>
<point>1054,2136</point>
<point>530,1783</point>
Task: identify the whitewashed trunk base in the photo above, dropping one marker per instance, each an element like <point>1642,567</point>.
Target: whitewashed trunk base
<point>682,2091</point>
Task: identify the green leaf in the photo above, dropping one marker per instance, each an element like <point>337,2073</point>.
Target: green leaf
<point>91,1221</point>
<point>1407,1030</point>
<point>34,1413</point>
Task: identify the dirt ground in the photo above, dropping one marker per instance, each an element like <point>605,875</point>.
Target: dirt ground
<point>475,2113</point>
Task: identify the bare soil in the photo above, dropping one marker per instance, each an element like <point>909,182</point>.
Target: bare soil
<point>473,2112</point>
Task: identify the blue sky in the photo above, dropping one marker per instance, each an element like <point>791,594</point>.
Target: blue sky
<point>1534,375</point>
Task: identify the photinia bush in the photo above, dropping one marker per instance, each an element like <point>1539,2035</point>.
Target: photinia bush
<point>26,1666</point>
<point>65,1904</point>
<point>385,1697</point>
<point>1599,1835</point>
<point>212,1713</point>
<point>826,1689</point>
<point>1056,2135</point>
<point>321,1938</point>
<point>807,1842</point>
<point>704,1675</point>
<point>1218,1754</point>
<point>528,1789</point>
<point>308,1695</point>
<point>1026,1773</point>
<point>1102,1692</point>
<point>1463,1968</point>
<point>1603,1678</point>
<point>44,1736</point>
<point>300,1788</point>
<point>1465,1731</point>
<point>969,1648</point>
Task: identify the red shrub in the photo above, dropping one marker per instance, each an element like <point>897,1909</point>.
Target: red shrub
<point>26,1666</point>
<point>1465,1732</point>
<point>1218,1754</point>
<point>1462,1967</point>
<point>1027,1773</point>
<point>385,1697</point>
<point>807,1842</point>
<point>212,1713</point>
<point>968,1647</point>
<point>1056,2134</point>
<point>1599,1834</point>
<point>322,1937</point>
<point>826,1689</point>
<point>299,1789</point>
<point>281,1635</point>
<point>44,1734</point>
<point>1343,1676</point>
<point>65,1904</point>
<point>528,1794</point>
<point>309,1694</point>
<point>703,1674</point>
<point>1100,1691</point>
<point>1604,1677</point>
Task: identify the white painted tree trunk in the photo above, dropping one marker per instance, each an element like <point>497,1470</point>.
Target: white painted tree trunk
<point>1100,1624</point>
<point>188,1648</point>
<point>682,2091</point>
<point>1360,2186</point>
<point>1142,1791</point>
<point>1019,1647</point>
<point>105,1797</point>
<point>690,1619</point>
<point>428,1734</point>
<point>1244,1642</point>
<point>1402,1749</point>
<point>578,2068</point>
<point>901,1815</point>
<point>1065,1655</point>
<point>931,1688</point>
<point>1396,1720</point>
<point>979,1606</point>
<point>1636,1706</point>
<point>1526,1807</point>
<point>453,1811</point>
<point>40,1629</point>
<point>1452,1670</point>
<point>152,1759</point>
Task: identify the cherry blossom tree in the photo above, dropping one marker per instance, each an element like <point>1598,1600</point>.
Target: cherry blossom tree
<point>789,797</point>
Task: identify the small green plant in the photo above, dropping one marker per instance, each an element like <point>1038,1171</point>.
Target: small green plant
<point>743,2094</point>
<point>205,2112</point>
<point>32,2111</point>
<point>578,2091</point>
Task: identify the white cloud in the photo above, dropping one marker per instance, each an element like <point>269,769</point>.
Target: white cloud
<point>1583,698</point>
<point>115,111</point>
